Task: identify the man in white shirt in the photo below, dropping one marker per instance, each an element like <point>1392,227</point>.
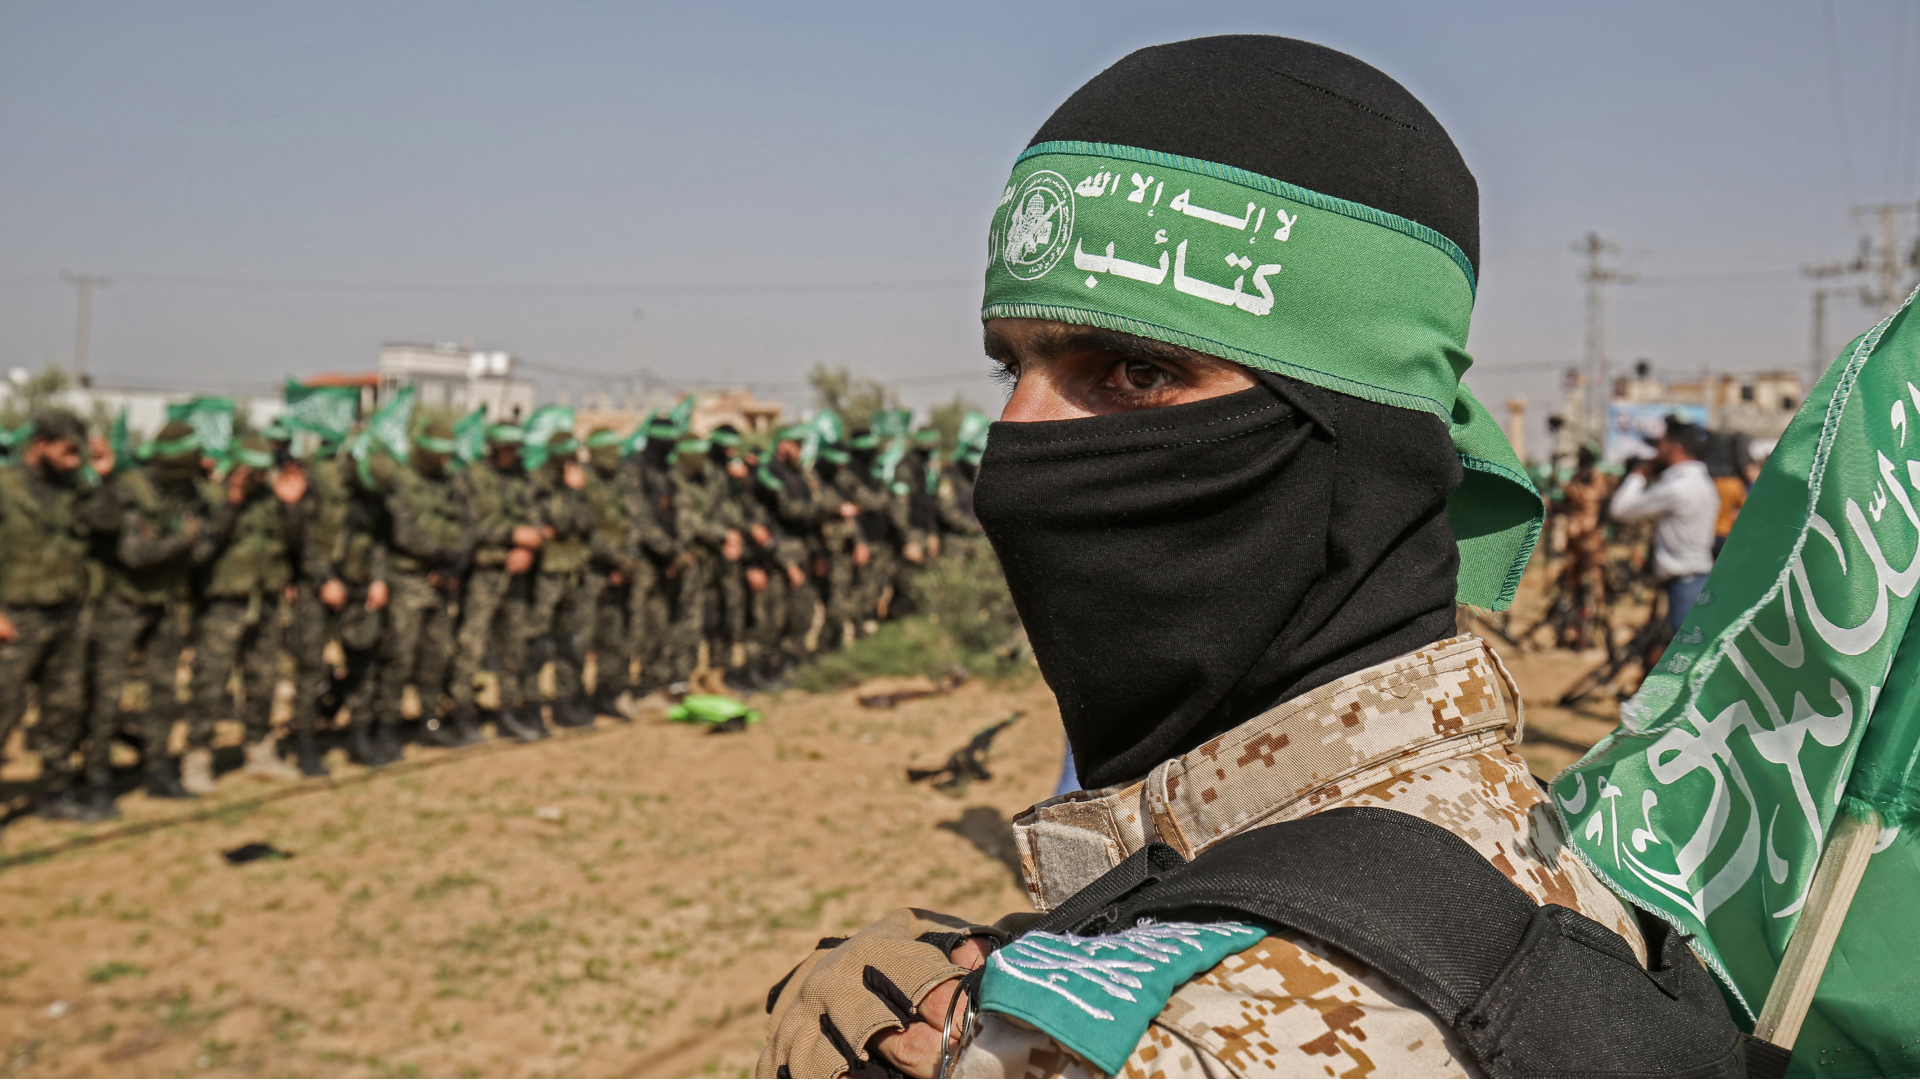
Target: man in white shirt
<point>1683,504</point>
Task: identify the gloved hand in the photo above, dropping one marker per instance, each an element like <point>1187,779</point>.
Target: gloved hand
<point>826,1011</point>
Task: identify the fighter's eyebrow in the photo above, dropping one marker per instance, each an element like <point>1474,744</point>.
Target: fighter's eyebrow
<point>1056,341</point>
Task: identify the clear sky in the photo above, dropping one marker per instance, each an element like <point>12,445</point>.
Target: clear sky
<point>276,189</point>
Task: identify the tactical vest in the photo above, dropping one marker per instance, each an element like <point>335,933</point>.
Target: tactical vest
<point>432,536</point>
<point>612,522</point>
<point>42,551</point>
<point>491,495</point>
<point>161,512</point>
<point>256,560</point>
<point>1530,989</point>
<point>570,549</point>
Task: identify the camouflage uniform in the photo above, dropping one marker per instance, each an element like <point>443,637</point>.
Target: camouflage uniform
<point>616,571</point>
<point>337,543</point>
<point>239,626</point>
<point>494,611</point>
<point>646,494</point>
<point>428,550</point>
<point>871,589</point>
<point>156,525</point>
<point>798,509</point>
<point>837,538</point>
<point>1432,733</point>
<point>713,599</point>
<point>43,592</point>
<point>561,622</point>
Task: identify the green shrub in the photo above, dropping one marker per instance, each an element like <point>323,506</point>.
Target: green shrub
<point>963,617</point>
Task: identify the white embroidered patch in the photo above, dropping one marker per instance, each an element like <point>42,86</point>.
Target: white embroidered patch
<point>1050,961</point>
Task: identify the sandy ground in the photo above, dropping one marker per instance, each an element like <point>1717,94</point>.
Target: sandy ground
<point>607,903</point>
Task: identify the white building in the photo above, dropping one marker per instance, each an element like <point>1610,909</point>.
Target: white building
<point>446,375</point>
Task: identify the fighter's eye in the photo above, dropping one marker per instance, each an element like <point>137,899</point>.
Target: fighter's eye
<point>1143,376</point>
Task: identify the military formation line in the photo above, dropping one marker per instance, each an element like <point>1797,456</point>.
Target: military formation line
<point>369,566</point>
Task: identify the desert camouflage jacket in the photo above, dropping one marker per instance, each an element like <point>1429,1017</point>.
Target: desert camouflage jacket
<point>1431,733</point>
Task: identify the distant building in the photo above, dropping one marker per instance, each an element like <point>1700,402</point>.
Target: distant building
<point>1757,404</point>
<point>449,376</point>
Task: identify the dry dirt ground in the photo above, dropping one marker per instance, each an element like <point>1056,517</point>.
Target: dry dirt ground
<point>607,903</point>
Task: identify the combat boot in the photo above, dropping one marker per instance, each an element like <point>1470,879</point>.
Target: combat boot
<point>360,748</point>
<point>467,729</point>
<point>573,712</point>
<point>264,762</point>
<point>64,805</point>
<point>162,779</point>
<point>100,799</point>
<point>607,703</point>
<point>306,755</point>
<point>523,723</point>
<point>387,744</point>
<point>196,771</point>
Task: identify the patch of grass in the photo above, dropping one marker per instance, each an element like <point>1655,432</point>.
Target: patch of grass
<point>962,616</point>
<point>445,884</point>
<point>111,970</point>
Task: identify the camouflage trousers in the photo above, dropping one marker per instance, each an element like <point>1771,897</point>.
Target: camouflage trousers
<point>234,635</point>
<point>361,633</point>
<point>649,617</point>
<point>562,626</point>
<point>782,615</point>
<point>123,629</point>
<point>727,610</point>
<point>611,644</point>
<point>494,618</point>
<point>314,624</point>
<point>49,650</point>
<point>685,596</point>
<point>843,601</point>
<point>417,647</point>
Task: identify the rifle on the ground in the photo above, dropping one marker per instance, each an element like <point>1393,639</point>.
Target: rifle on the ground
<point>965,765</point>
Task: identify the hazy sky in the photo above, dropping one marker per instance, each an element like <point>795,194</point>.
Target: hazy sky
<point>276,189</point>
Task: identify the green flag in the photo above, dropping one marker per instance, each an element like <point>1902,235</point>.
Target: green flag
<point>637,441</point>
<point>1789,696</point>
<point>117,439</point>
<point>545,420</point>
<point>470,437</point>
<point>326,411</point>
<point>211,419</point>
<point>388,431</point>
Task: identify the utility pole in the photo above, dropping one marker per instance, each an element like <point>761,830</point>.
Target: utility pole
<point>1888,264</point>
<point>1882,264</point>
<point>1598,365</point>
<point>84,284</point>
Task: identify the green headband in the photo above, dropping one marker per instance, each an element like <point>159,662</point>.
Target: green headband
<point>565,444</point>
<point>433,444</point>
<point>691,446</point>
<point>725,438</point>
<point>1238,265</point>
<point>257,459</point>
<point>506,435</point>
<point>602,438</point>
<point>185,444</point>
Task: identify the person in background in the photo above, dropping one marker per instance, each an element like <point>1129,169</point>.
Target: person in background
<point>1732,485</point>
<point>1683,504</point>
<point>1584,577</point>
<point>43,594</point>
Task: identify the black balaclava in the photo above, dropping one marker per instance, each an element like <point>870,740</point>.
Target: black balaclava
<point>1180,570</point>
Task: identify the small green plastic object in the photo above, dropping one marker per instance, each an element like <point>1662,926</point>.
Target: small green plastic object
<point>711,709</point>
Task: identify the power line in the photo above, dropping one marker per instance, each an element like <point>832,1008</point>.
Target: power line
<point>1838,89</point>
<point>789,288</point>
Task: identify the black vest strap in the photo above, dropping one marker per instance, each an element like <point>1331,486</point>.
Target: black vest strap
<point>1531,990</point>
